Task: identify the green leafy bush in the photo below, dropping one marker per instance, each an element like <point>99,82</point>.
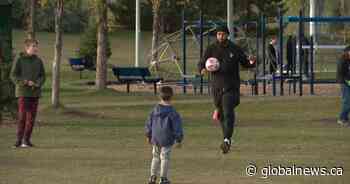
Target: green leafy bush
<point>75,16</point>
<point>88,46</point>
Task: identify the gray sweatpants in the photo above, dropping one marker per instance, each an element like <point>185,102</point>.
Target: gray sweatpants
<point>160,161</point>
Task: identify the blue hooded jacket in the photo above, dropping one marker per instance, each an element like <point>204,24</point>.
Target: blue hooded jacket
<point>164,126</point>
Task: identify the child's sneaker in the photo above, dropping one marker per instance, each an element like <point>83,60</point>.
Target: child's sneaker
<point>152,180</point>
<point>164,180</point>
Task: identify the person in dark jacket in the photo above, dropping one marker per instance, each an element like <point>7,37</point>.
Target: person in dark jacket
<point>163,129</point>
<point>28,74</point>
<point>272,54</point>
<point>291,54</point>
<point>343,78</point>
<point>305,56</point>
<point>225,81</point>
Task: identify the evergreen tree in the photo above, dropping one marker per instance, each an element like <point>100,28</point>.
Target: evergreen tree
<point>88,46</point>
<point>268,7</point>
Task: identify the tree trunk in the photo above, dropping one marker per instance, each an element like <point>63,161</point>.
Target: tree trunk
<point>156,30</point>
<point>31,18</point>
<point>343,13</point>
<point>342,7</point>
<point>303,6</point>
<point>57,58</point>
<point>320,5</point>
<point>101,68</point>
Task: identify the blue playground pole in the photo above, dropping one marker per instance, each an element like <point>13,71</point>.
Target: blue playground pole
<point>312,77</point>
<point>258,37</point>
<point>263,25</point>
<point>280,49</point>
<point>274,83</point>
<point>201,43</point>
<point>318,19</point>
<point>274,80</point>
<point>300,49</point>
<point>184,49</point>
<point>208,82</point>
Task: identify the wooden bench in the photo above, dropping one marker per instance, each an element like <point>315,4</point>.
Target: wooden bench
<point>129,75</point>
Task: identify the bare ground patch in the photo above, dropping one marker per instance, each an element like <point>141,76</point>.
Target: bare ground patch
<point>246,90</point>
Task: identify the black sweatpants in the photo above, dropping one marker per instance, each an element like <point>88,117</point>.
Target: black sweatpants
<point>225,102</point>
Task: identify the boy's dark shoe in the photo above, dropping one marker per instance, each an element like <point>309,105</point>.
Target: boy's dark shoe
<point>18,144</point>
<point>225,147</point>
<point>164,180</point>
<point>152,180</point>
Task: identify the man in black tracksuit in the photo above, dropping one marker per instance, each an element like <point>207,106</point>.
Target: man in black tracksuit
<point>226,81</point>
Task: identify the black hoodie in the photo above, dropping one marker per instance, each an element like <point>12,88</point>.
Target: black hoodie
<point>230,56</point>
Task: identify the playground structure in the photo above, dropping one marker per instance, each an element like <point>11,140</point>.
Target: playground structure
<point>173,65</point>
<point>297,73</point>
<point>185,46</point>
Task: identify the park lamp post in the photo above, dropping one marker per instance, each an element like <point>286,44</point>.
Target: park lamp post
<point>312,26</point>
<point>230,19</point>
<point>137,34</point>
<point>137,30</point>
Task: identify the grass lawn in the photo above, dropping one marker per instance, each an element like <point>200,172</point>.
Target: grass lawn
<point>98,138</point>
<point>103,142</point>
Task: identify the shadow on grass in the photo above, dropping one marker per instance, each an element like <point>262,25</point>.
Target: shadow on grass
<point>72,113</point>
<point>326,121</point>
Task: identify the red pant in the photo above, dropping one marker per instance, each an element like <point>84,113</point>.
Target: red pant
<point>27,109</point>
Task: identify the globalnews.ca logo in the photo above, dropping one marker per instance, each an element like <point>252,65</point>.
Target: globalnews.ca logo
<point>280,170</point>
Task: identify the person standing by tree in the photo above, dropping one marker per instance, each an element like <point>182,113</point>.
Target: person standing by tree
<point>28,74</point>
<point>225,81</point>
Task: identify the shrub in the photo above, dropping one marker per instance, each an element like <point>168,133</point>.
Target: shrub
<point>88,46</point>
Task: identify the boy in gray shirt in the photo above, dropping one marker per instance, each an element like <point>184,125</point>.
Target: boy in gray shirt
<point>163,129</point>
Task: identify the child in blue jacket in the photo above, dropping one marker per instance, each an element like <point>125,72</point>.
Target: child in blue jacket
<point>163,130</point>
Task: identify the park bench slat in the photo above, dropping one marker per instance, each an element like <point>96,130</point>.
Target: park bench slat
<point>128,75</point>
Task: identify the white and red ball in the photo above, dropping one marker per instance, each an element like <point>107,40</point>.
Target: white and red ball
<point>212,64</point>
